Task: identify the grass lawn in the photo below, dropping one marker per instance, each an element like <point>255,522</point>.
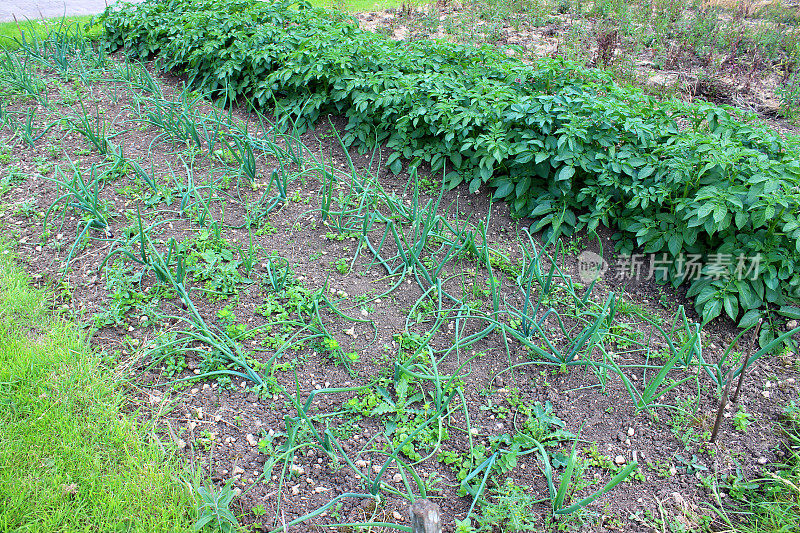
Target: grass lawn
<point>70,459</point>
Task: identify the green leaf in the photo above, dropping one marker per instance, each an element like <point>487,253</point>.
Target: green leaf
<point>541,209</point>
<point>646,172</point>
<point>750,318</point>
<point>790,311</point>
<point>674,244</point>
<point>731,305</point>
<point>564,173</point>
<point>504,188</point>
<point>711,310</point>
<point>616,480</point>
<point>475,184</point>
<point>522,186</point>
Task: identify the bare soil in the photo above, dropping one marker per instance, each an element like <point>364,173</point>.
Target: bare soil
<point>225,427</point>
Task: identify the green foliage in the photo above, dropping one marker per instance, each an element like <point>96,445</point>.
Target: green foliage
<point>211,262</point>
<point>402,413</point>
<point>558,142</point>
<point>510,507</point>
<point>788,94</point>
<point>742,419</point>
<point>128,296</point>
<point>214,509</point>
<point>75,458</point>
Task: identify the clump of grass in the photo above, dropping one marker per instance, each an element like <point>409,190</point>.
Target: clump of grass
<point>775,504</point>
<point>13,33</point>
<point>72,461</point>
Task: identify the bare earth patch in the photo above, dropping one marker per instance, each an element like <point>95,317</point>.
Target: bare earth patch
<point>317,315</point>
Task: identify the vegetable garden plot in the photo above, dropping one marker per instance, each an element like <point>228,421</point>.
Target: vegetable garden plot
<point>302,315</point>
<point>560,143</point>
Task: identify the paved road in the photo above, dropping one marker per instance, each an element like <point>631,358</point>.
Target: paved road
<point>36,9</point>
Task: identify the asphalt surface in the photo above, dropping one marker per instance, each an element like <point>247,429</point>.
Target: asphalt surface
<point>38,9</point>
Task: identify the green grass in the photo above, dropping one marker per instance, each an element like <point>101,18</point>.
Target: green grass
<point>10,32</point>
<point>357,6</point>
<point>775,505</point>
<point>70,459</point>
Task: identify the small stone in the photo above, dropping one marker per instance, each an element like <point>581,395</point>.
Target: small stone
<point>361,463</point>
<point>762,460</point>
<point>620,460</point>
<point>376,468</point>
<point>297,470</point>
<point>397,516</point>
<point>792,324</point>
<point>195,391</point>
<point>251,439</point>
<point>181,444</point>
<point>631,432</point>
<point>320,489</point>
<point>397,478</point>
<point>237,471</point>
<point>672,470</point>
<point>295,490</point>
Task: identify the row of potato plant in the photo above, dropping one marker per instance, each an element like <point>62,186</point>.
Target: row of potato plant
<point>560,143</point>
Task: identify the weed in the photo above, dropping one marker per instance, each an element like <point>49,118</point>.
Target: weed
<point>510,507</point>
<point>342,266</point>
<point>742,419</point>
<point>213,509</point>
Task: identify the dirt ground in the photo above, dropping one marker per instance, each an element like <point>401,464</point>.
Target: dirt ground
<point>235,431</point>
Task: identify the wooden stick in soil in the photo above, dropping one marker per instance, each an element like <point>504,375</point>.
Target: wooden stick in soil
<point>425,517</point>
<point>723,401</point>
<point>744,359</point>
